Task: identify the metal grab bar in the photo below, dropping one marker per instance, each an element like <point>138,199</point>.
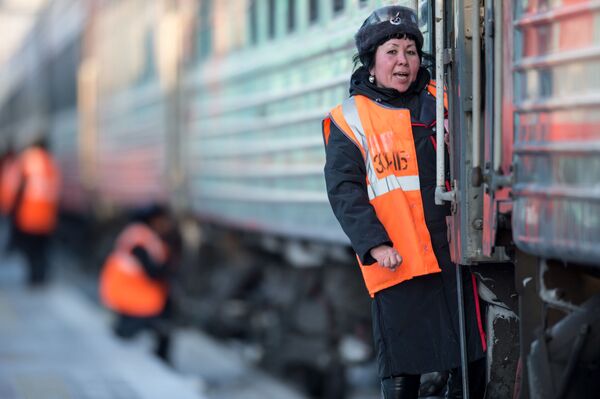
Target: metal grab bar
<point>498,65</point>
<point>441,194</point>
<point>477,175</point>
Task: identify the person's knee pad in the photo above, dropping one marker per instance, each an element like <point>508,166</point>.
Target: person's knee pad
<point>401,387</point>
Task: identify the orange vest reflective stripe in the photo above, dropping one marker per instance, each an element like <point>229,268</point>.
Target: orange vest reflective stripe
<point>9,184</point>
<point>124,285</point>
<point>384,137</point>
<point>38,209</point>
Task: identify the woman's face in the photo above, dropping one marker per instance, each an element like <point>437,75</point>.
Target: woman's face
<point>397,63</point>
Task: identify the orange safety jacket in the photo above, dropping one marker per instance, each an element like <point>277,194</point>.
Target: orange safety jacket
<point>124,286</point>
<point>38,208</point>
<point>384,137</point>
<point>9,183</point>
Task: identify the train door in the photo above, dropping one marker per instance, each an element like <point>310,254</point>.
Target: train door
<point>522,82</point>
<point>470,61</point>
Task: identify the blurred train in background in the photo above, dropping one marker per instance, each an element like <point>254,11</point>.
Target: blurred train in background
<point>214,107</point>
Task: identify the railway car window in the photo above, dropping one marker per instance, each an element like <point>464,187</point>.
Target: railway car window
<point>338,6</point>
<point>425,22</point>
<point>291,15</point>
<point>148,70</point>
<point>271,19</point>
<point>204,33</point>
<point>12,113</point>
<point>253,24</point>
<point>62,71</point>
<point>313,11</point>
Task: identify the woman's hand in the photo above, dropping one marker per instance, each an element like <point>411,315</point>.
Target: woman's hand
<point>386,256</point>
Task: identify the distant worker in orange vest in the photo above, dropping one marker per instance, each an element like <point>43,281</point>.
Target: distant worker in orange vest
<point>134,278</point>
<point>34,211</point>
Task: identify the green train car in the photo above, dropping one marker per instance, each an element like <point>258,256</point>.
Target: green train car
<point>215,108</point>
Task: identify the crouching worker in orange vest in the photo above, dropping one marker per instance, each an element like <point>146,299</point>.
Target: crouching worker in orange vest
<point>34,210</point>
<point>133,281</point>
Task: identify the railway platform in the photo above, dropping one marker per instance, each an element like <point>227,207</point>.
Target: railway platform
<point>56,343</point>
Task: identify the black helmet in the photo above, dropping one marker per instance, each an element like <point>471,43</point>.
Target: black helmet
<point>387,22</point>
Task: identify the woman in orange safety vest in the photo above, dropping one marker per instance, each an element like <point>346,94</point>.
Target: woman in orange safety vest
<point>380,174</point>
<point>133,281</point>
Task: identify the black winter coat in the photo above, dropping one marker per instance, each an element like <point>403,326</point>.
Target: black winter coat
<point>345,167</point>
<point>415,323</point>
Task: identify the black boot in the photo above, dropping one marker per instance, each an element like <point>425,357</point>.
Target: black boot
<point>401,387</point>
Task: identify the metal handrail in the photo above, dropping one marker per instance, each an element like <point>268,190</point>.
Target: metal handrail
<point>476,87</point>
<point>498,87</point>
<point>441,194</point>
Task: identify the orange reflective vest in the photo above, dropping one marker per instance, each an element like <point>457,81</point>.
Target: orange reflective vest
<point>384,137</point>
<point>124,285</point>
<point>37,211</point>
<point>9,184</point>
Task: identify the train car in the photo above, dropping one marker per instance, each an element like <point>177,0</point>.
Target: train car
<point>252,104</point>
<point>215,108</point>
<point>523,166</point>
<point>39,92</point>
